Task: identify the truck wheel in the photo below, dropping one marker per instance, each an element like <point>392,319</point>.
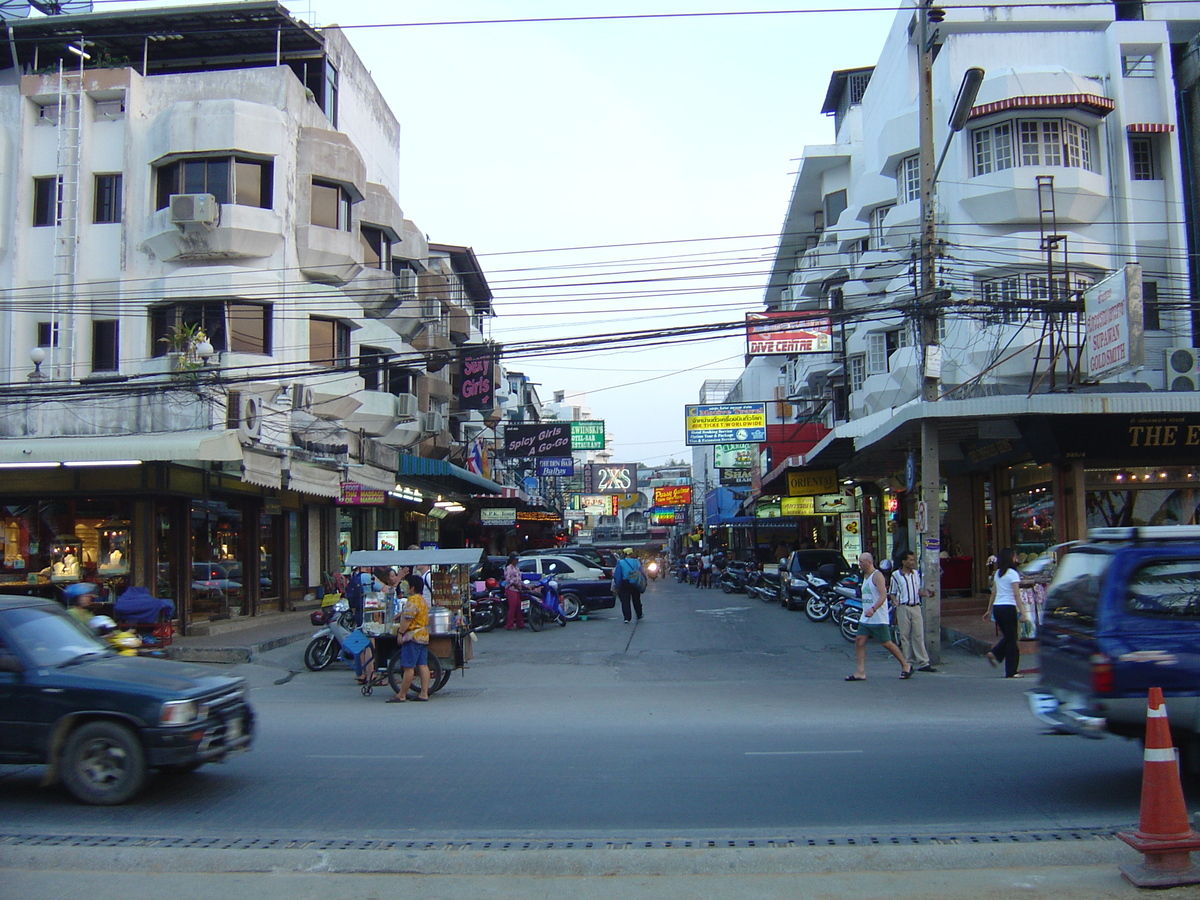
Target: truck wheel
<point>103,764</point>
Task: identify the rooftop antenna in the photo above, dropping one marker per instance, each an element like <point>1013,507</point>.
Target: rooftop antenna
<point>19,9</point>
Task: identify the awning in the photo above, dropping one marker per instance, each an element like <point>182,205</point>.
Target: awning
<point>438,475</point>
<point>185,446</point>
<point>262,469</point>
<point>305,478</point>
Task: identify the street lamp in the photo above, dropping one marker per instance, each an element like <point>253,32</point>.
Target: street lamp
<point>37,356</point>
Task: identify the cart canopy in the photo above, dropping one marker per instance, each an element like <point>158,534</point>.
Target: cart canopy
<point>455,557</point>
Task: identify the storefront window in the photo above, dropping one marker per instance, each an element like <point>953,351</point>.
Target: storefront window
<point>1142,496</point>
<point>60,542</point>
<point>268,550</point>
<point>295,556</point>
<point>1032,504</point>
<point>218,574</point>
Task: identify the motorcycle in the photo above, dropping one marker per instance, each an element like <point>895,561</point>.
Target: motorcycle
<point>736,577</point>
<point>326,644</point>
<point>764,586</point>
<point>539,600</point>
<point>487,609</point>
<point>652,570</point>
<point>848,608</point>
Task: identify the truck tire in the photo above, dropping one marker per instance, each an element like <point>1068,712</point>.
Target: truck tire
<point>103,763</point>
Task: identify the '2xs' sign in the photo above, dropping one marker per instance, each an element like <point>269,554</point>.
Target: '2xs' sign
<point>615,481</point>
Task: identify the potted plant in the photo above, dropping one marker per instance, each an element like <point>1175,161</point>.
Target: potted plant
<point>182,341</point>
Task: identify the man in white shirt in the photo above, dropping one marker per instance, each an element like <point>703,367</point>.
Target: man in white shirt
<point>906,592</point>
<point>874,621</point>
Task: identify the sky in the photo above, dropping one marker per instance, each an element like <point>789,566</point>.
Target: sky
<point>617,175</point>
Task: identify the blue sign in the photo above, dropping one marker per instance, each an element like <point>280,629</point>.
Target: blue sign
<point>725,423</point>
<point>555,466</point>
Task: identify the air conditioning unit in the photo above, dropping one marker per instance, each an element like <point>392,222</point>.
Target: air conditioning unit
<point>302,397</point>
<point>433,423</point>
<point>1182,368</point>
<point>406,407</point>
<point>243,411</point>
<point>195,209</point>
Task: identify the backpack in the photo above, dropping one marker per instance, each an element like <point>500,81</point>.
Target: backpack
<point>637,577</point>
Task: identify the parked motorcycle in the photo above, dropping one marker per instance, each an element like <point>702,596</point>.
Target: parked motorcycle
<point>487,609</point>
<point>735,577</point>
<point>847,609</point>
<point>326,644</point>
<point>764,586</point>
<point>539,599</point>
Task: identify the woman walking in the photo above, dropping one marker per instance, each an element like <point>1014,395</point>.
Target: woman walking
<point>1005,607</point>
<point>512,593</point>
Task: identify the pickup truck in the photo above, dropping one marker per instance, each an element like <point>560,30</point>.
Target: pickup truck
<point>1122,615</point>
<point>99,721</point>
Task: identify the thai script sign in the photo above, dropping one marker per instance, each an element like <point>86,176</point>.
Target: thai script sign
<point>725,423</point>
<point>554,466</point>
<point>1113,314</point>
<point>777,333</point>
<point>587,435</point>
<point>678,495</point>
<point>796,506</point>
<point>549,439</point>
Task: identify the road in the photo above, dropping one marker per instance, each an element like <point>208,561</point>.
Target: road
<point>715,716</point>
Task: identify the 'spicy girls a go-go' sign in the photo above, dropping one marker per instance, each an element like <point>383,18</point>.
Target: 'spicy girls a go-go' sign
<point>550,439</point>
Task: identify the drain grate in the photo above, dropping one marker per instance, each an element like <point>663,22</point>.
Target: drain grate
<point>212,842</point>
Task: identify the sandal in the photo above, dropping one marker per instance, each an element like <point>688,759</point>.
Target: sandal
<point>854,678</point>
<point>906,675</point>
<point>395,699</point>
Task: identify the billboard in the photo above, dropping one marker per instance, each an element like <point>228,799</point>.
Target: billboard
<point>1113,316</point>
<point>548,439</point>
<point>548,466</point>
<point>733,456</point>
<point>587,435</point>
<point>612,478</point>
<point>785,333</point>
<point>725,423</point>
<point>597,504</point>
<point>476,380</point>
<point>676,495</point>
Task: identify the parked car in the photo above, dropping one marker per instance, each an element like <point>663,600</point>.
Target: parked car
<point>1122,615</point>
<point>99,720</point>
<point>588,555</point>
<point>580,588</point>
<point>566,567</point>
<point>828,564</point>
<point>213,578</point>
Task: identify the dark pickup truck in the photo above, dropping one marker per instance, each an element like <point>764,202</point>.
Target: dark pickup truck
<point>100,721</point>
<point>1122,615</point>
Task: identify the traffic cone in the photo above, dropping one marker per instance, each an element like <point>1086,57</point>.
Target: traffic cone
<point>1164,837</point>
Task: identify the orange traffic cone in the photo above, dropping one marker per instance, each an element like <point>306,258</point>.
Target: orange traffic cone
<point>1164,837</point>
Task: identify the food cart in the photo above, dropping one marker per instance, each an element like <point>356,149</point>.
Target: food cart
<point>450,640</point>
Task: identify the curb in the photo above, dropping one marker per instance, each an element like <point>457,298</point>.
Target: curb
<point>233,655</point>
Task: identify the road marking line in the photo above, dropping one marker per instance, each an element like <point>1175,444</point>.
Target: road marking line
<point>797,752</point>
<point>356,756</point>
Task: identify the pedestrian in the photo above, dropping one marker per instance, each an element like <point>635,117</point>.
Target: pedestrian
<point>628,578</point>
<point>81,594</point>
<point>706,561</point>
<point>512,593</point>
<point>905,592</point>
<point>875,621</point>
<point>1004,606</point>
<point>413,635</point>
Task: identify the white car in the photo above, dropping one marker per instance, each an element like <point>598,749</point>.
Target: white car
<point>567,567</point>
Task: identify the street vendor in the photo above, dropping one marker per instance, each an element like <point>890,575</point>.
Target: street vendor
<point>413,633</point>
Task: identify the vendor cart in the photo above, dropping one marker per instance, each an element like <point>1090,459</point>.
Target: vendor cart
<point>450,639</point>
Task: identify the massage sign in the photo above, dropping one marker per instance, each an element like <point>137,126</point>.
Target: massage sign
<point>538,440</point>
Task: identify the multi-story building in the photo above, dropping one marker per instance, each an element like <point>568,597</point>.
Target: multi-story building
<point>222,338</point>
<point>1070,165</point>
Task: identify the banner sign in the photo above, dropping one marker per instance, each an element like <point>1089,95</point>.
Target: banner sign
<point>547,439</point>
<point>796,506</point>
<point>597,504</point>
<point>612,478</point>
<point>852,539</point>
<point>725,423</point>
<point>498,515</point>
<point>823,504</point>
<point>680,495</point>
<point>552,466</point>
<point>736,477</point>
<point>355,494</point>
<point>785,333</point>
<point>475,381</point>
<point>806,484</point>
<point>537,515</point>
<point>587,434</point>
<point>733,456</point>
<point>1113,315</point>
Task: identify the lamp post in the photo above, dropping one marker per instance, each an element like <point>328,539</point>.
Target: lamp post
<point>928,509</point>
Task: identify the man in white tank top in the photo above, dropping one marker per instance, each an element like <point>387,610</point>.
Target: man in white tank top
<point>874,621</point>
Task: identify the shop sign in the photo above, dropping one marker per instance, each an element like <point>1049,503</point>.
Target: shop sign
<point>555,466</point>
<point>824,504</point>
<point>810,483</point>
<point>476,380</point>
<point>726,423</point>
<point>1113,318</point>
<point>498,515</point>
<point>355,494</point>
<point>737,477</point>
<point>796,506</point>
<point>785,333</point>
<point>851,531</point>
<point>1150,439</point>
<point>587,435</point>
<point>537,440</point>
<point>574,515</point>
<point>680,495</point>
<point>612,478</point>
<point>597,504</point>
<point>537,515</point>
<point>387,540</point>
<point>662,517</point>
<point>733,456</point>
<point>768,511</point>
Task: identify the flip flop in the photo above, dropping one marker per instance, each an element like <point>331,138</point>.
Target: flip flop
<point>395,700</point>
<point>906,675</point>
<point>420,699</point>
<point>854,678</point>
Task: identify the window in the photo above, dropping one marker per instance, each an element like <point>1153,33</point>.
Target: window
<point>1143,160</point>
<point>228,324</point>
<point>330,205</point>
<point>108,110</point>
<point>328,342</point>
<point>1137,65</point>
<point>858,372</point>
<point>1039,142</point>
<point>1014,298</point>
<point>47,334</point>
<point>106,352</point>
<point>1166,590</point>
<point>47,200</point>
<point>108,199</point>
<point>1075,592</point>
<point>377,248</point>
<point>231,179</point>
<point>877,353</point>
<point>1151,318</point>
<point>1001,295</point>
<point>878,215</point>
<point>834,205</point>
<point>908,179</point>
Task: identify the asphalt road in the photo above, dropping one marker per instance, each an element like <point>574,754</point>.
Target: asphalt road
<point>715,716</point>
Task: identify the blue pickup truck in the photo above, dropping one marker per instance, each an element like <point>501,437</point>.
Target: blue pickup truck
<point>1122,615</point>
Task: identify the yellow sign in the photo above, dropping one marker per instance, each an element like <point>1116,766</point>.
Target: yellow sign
<point>809,484</point>
<point>796,506</point>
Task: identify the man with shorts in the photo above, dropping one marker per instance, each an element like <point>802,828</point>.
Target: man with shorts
<point>874,621</point>
<point>414,641</point>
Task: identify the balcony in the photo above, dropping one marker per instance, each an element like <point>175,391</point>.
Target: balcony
<point>241,232</point>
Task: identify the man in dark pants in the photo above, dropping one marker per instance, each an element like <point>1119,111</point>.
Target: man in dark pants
<point>624,577</point>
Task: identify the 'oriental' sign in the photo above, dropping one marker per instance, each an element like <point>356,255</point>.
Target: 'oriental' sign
<point>808,484</point>
<point>676,495</point>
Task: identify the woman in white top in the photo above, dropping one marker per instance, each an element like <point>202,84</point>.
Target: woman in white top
<point>1005,607</point>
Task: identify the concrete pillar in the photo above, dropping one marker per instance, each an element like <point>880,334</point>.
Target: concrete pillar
<point>1070,502</point>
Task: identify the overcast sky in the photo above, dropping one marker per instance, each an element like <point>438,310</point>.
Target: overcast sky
<point>671,143</point>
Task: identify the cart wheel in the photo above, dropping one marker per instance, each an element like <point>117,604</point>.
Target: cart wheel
<point>395,675</point>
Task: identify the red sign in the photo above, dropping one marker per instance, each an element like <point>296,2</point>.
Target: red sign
<point>355,494</point>
<point>780,333</point>
<point>673,495</point>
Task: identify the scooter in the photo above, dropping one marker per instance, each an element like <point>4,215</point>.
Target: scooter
<point>764,586</point>
<point>652,570</point>
<point>539,600</point>
<point>735,577</point>
<point>326,644</point>
<point>487,609</point>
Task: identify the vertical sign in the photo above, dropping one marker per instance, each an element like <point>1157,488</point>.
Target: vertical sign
<point>475,380</point>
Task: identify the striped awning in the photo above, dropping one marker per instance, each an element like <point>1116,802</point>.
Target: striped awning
<point>1093,103</point>
<point>1149,128</point>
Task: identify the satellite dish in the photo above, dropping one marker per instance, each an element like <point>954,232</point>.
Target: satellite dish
<point>61,7</point>
<point>14,9</point>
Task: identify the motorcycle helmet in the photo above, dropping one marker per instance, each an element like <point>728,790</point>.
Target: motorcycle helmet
<point>102,624</point>
<point>319,617</point>
<point>491,584</point>
<point>79,589</point>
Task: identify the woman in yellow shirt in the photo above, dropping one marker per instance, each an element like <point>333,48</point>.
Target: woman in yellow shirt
<point>414,640</point>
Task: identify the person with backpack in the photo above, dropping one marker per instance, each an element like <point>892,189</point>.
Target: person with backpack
<point>629,581</point>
